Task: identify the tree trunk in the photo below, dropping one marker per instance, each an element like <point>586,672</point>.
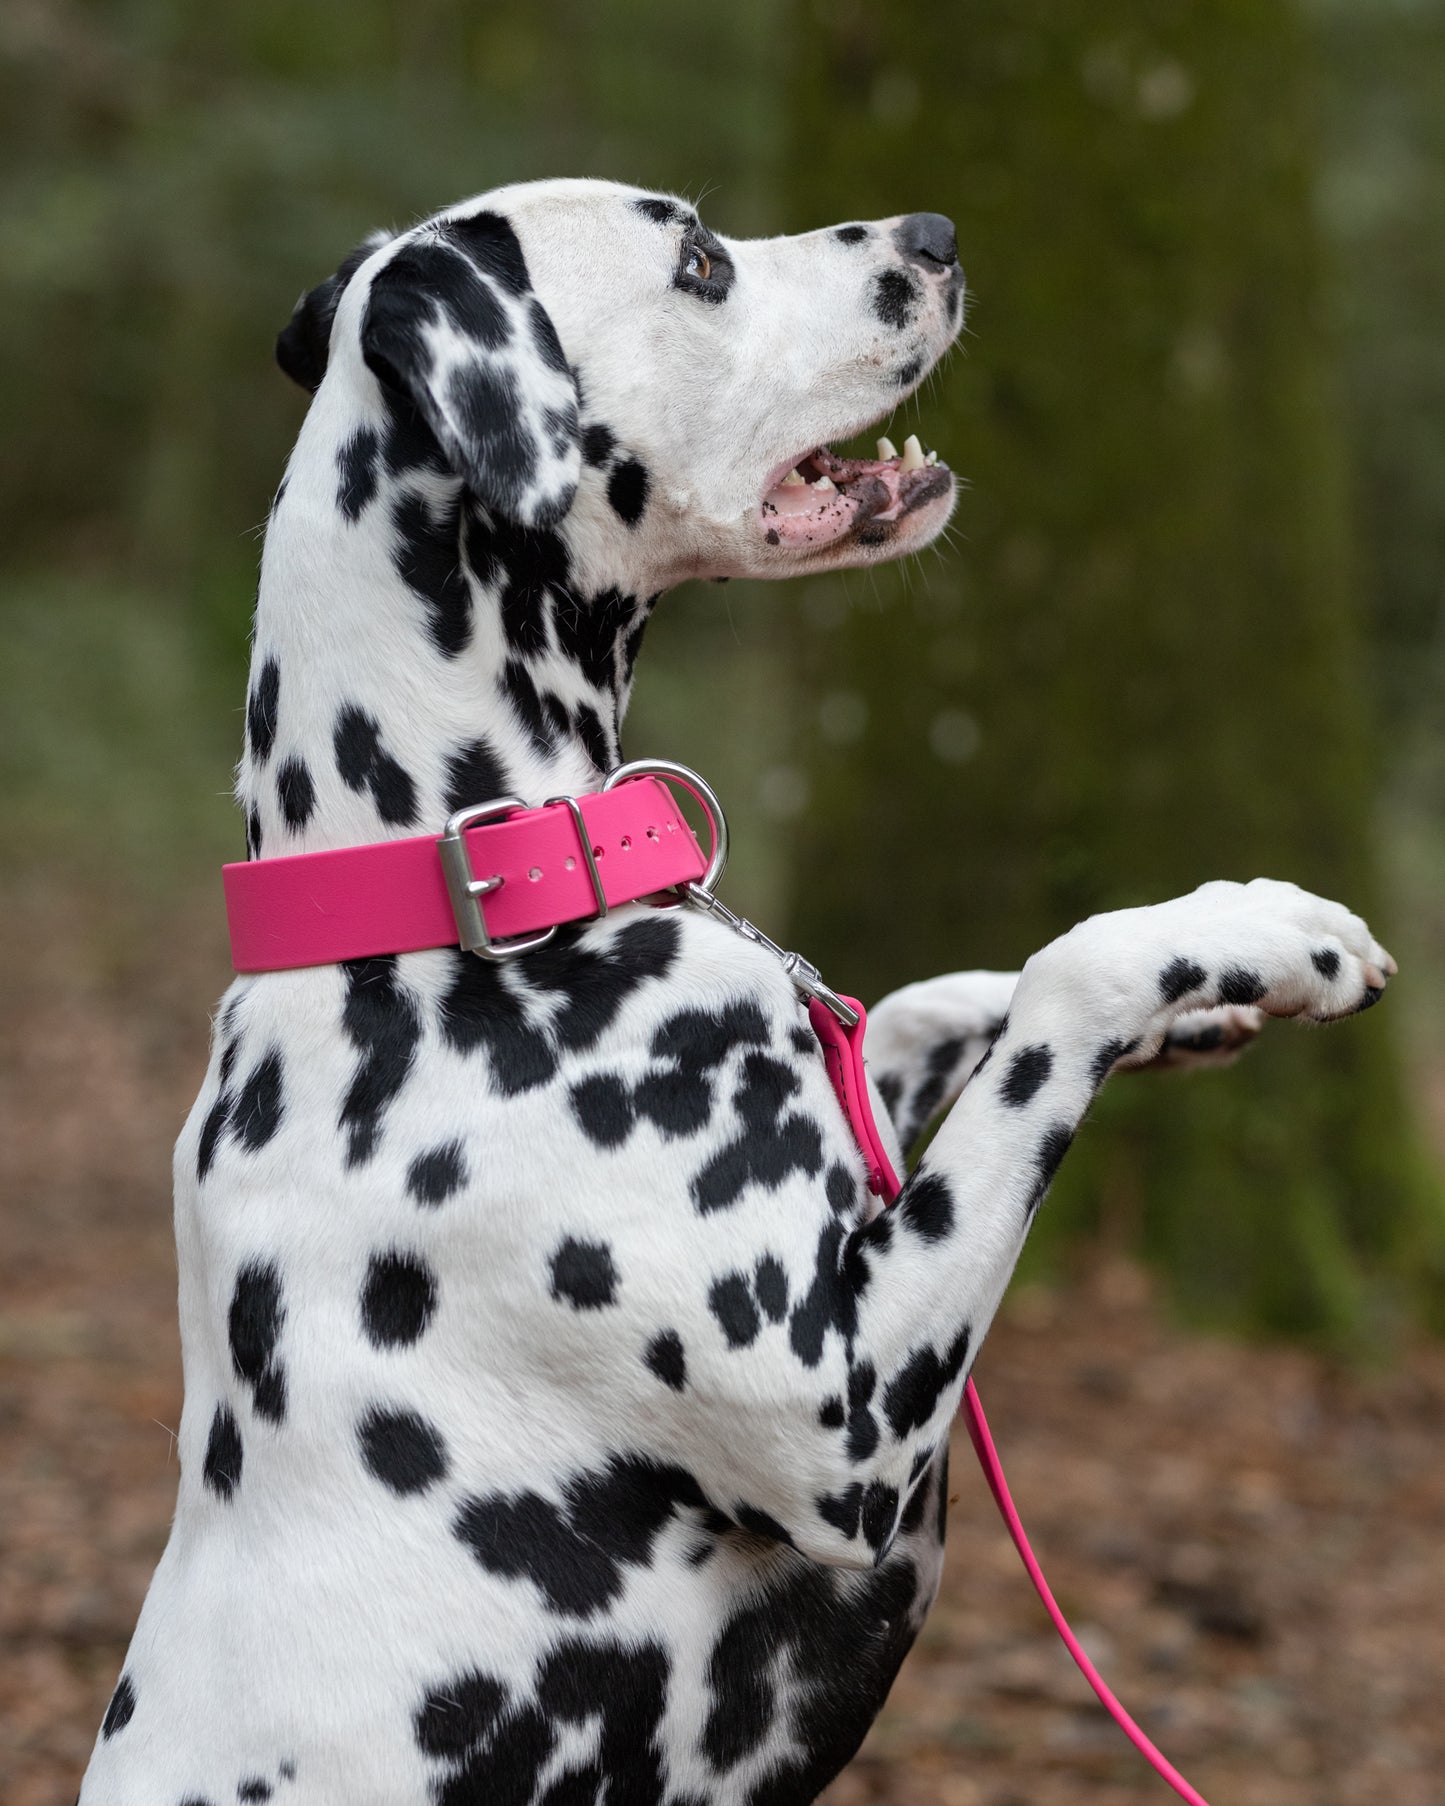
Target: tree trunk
<point>1139,665</point>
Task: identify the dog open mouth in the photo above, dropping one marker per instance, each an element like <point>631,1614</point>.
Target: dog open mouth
<point>820,498</point>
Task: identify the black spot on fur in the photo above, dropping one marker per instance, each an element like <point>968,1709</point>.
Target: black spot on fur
<point>254,1791</point>
<point>1325,961</point>
<point>590,633</point>
<point>121,1709</point>
<point>474,775</point>
<point>851,235</point>
<point>295,792</point>
<point>603,1106</point>
<point>526,566</point>
<point>627,490</point>
<point>520,690</point>
<point>1056,1143</point>
<point>841,1510</point>
<point>907,374</point>
<point>863,1433</point>
<point>1239,985</point>
<point>895,298</point>
<point>574,1554</point>
<point>459,1714</point>
<point>678,1101</point>
<point>365,764</point>
<point>479,1011</point>
<point>549,348</point>
<point>926,1206</point>
<point>261,708</point>
<point>943,1059</point>
<point>492,245</point>
<point>402,1450</point>
<point>662,212</point>
<point>398,1298</point>
<point>912,1396</point>
<point>828,1304</point>
<point>731,1301</point>
<point>584,1275</point>
<point>1180,977</point>
<point>762,1523</point>
<point>212,1129</point>
<point>879,1516</point>
<point>772,1145</point>
<point>1027,1072</point>
<point>1108,1057</point>
<point>224,1454</point>
<point>254,1325</point>
<point>356,465</point>
<point>842,1190</point>
<point>437,1175</point>
<point>770,1284</point>
<point>594,982</point>
<point>383,1025</point>
<point>1373,994</point>
<point>259,1105</point>
<point>624,1686</point>
<point>427,556</point>
<point>839,1645</point>
<point>597,444</point>
<point>664,1356</point>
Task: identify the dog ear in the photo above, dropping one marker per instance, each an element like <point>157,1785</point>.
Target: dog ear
<point>304,342</point>
<point>453,324</point>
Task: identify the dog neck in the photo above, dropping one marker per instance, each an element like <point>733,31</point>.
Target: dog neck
<point>413,654</point>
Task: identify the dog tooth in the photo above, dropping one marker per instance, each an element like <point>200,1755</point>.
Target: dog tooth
<point>931,459</point>
<point>912,453</point>
<point>793,480</point>
<point>886,450</point>
<point>824,485</point>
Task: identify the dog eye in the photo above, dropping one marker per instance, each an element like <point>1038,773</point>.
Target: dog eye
<point>699,264</point>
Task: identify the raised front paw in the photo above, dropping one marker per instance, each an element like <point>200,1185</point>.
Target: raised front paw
<point>1272,946</point>
<point>1264,946</point>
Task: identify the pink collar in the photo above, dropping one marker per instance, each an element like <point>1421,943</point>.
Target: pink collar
<point>500,879</point>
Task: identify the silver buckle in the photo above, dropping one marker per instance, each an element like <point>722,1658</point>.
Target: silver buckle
<point>466,889</point>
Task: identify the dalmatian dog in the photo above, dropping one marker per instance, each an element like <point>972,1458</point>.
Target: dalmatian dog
<point>565,1424</point>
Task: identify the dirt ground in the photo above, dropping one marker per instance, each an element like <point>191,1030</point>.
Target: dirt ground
<point>1251,1542</point>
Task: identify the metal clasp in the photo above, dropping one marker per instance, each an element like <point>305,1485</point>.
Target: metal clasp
<point>466,889</point>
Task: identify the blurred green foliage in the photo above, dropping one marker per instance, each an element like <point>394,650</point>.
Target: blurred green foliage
<point>1204,545</point>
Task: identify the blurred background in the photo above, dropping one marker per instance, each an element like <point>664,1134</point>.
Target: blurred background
<point>1189,623</point>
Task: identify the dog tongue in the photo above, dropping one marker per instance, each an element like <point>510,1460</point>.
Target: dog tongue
<point>798,498</point>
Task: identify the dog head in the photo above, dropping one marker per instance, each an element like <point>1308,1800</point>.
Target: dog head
<point>592,358</point>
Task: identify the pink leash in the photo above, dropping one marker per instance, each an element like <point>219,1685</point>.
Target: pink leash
<point>843,1050</point>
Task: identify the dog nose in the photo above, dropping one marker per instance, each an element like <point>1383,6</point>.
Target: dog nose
<point>928,239</point>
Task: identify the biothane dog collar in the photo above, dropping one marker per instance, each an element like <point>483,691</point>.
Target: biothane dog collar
<point>499,881</point>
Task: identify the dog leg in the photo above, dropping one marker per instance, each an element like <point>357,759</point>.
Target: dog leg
<point>926,1040</point>
<point>900,1304</point>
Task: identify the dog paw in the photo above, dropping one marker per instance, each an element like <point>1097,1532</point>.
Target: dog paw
<point>1271,946</point>
<point>1202,1038</point>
